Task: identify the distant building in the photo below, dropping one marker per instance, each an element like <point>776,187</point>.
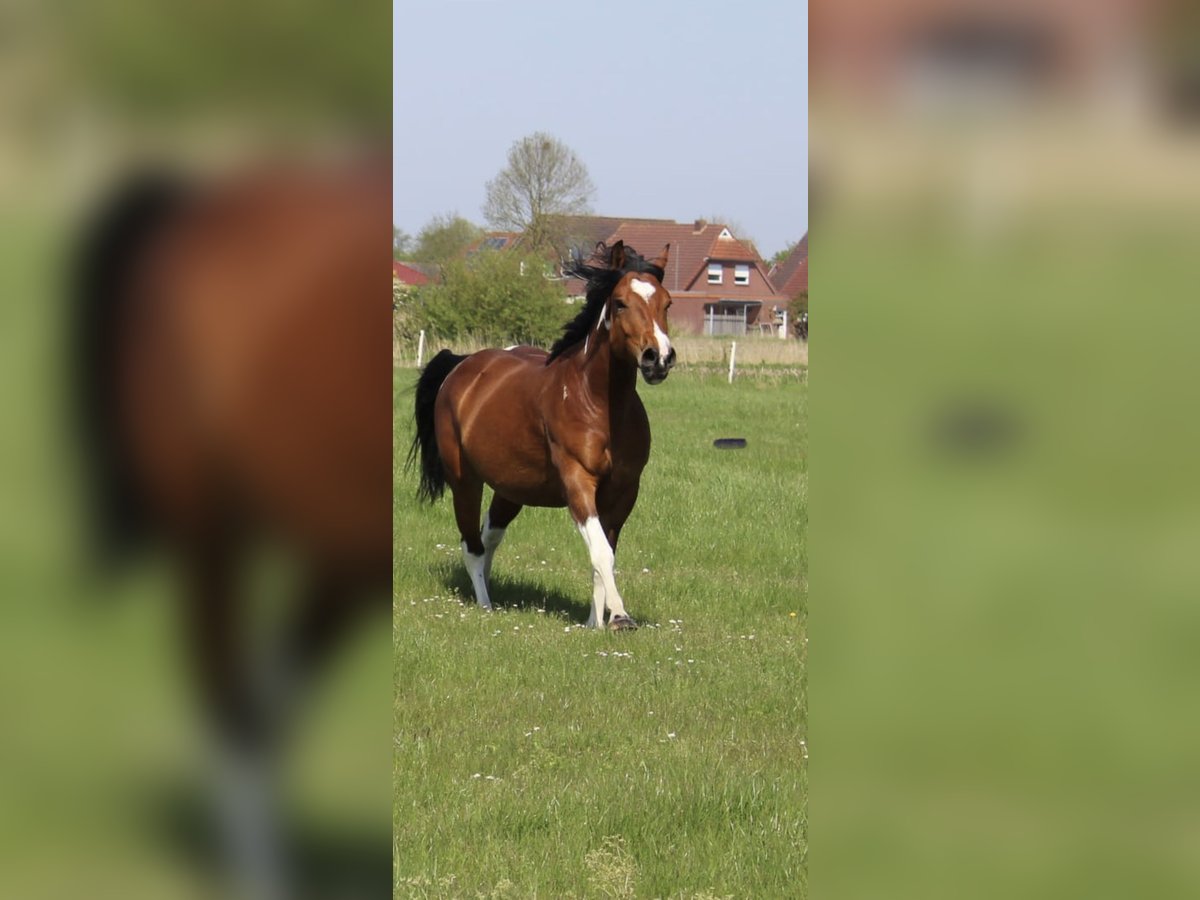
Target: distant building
<point>495,240</point>
<point>790,277</point>
<point>718,283</point>
<point>406,274</point>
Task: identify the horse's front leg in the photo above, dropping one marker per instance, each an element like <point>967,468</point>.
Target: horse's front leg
<point>597,604</point>
<point>601,548</point>
<point>581,501</point>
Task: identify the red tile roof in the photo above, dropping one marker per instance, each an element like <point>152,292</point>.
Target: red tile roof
<point>584,232</point>
<point>790,277</point>
<point>693,244</point>
<point>495,240</point>
<point>691,249</point>
<point>407,274</point>
<point>730,249</point>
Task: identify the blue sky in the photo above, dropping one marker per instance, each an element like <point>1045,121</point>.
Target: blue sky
<point>679,110</point>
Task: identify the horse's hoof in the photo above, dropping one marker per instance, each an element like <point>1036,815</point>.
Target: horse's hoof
<point>622,623</point>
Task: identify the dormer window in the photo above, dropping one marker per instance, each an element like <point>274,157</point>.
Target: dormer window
<point>714,273</point>
<point>741,274</point>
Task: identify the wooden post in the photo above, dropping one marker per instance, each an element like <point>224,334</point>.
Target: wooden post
<point>783,332</point>
<point>421,348</point>
<point>732,357</point>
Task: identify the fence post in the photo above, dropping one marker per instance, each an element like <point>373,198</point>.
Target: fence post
<point>783,331</point>
<point>732,357</point>
<point>420,348</point>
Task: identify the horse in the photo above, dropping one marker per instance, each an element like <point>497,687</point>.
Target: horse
<point>552,429</point>
<point>233,386</point>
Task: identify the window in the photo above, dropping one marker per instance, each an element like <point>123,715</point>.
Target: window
<point>741,274</point>
<point>714,273</point>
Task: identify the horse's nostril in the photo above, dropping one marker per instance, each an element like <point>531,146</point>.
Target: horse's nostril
<point>670,360</point>
<point>649,356</point>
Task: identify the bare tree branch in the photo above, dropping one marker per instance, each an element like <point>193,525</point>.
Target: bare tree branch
<point>543,179</point>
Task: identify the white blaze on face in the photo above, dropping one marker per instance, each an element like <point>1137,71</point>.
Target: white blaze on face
<point>645,290</point>
<point>664,342</point>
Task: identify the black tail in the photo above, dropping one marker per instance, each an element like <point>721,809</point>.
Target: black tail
<point>111,246</point>
<point>433,477</point>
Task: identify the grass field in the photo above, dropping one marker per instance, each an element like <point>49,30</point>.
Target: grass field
<point>533,757</point>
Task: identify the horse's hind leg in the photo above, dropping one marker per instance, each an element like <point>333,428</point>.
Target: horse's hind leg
<point>217,632</point>
<point>468,495</point>
<point>498,517</point>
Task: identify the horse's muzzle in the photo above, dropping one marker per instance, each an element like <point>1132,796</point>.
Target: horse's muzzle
<point>655,367</point>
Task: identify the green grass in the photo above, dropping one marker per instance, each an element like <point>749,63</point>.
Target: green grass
<point>533,757</point>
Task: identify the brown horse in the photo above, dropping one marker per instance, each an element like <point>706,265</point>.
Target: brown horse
<point>235,385</point>
<point>564,428</point>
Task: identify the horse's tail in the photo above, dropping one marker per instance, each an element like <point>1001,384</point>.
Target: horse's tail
<point>112,244</point>
<point>433,476</point>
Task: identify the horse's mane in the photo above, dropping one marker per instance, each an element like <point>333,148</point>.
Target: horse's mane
<point>601,279</point>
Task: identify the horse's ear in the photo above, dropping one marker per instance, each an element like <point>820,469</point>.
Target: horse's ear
<point>616,255</point>
<point>661,259</point>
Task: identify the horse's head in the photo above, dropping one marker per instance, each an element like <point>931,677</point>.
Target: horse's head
<point>637,313</point>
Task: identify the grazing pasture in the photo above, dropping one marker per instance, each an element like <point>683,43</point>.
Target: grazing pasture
<point>533,757</point>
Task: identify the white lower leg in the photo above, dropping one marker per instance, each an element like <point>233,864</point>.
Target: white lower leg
<point>475,569</point>
<point>604,585</point>
<point>596,619</point>
<point>491,540</point>
<point>246,796</point>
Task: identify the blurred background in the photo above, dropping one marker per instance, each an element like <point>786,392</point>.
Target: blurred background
<point>1004,202</point>
<point>1006,508</point>
<point>107,760</point>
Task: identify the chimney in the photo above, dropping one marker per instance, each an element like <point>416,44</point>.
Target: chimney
<point>699,226</point>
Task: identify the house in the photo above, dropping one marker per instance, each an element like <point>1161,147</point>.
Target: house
<point>582,233</point>
<point>718,283</point>
<point>407,275</point>
<point>790,276</point>
<point>495,240</point>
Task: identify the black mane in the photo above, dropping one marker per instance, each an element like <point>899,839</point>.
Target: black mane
<point>601,280</point>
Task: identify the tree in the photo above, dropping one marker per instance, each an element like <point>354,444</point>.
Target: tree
<point>445,238</point>
<point>798,310</point>
<point>542,181</point>
<point>402,243</point>
<point>783,254</point>
<point>492,298</point>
